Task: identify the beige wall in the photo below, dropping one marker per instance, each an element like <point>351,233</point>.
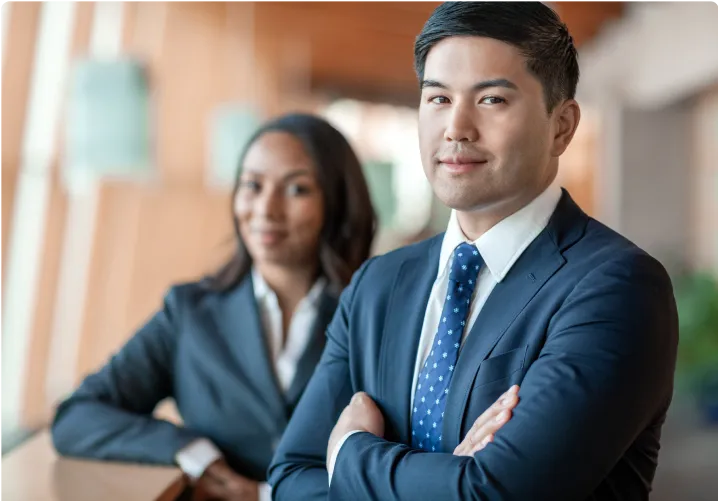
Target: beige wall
<point>578,163</point>
<point>656,172</point>
<point>656,54</point>
<point>704,186</point>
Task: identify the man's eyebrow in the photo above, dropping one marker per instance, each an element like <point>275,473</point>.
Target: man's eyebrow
<point>432,83</point>
<point>486,84</point>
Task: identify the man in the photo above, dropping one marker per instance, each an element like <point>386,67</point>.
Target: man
<point>523,288</point>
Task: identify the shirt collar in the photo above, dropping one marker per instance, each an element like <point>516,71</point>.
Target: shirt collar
<point>262,291</point>
<point>502,245</point>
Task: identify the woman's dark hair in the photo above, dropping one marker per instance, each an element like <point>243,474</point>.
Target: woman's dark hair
<point>349,217</point>
<point>531,27</point>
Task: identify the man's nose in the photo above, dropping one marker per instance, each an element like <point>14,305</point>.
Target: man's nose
<point>461,127</point>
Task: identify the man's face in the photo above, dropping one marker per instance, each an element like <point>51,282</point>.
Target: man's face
<point>485,136</point>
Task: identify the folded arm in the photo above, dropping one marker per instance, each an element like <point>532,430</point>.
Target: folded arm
<point>603,375</point>
<point>110,415</point>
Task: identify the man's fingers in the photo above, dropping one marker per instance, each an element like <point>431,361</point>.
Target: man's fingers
<point>507,400</point>
<point>478,432</point>
<point>359,398</point>
<point>483,436</point>
<point>466,449</point>
<point>481,432</point>
<point>459,450</point>
<point>486,441</point>
<point>479,440</point>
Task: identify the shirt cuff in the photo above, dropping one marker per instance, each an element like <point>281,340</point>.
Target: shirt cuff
<point>335,453</point>
<point>194,458</point>
<point>265,492</point>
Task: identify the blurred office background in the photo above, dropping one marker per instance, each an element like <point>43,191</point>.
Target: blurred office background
<point>122,123</point>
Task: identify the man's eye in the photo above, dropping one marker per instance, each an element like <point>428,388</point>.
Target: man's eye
<point>492,100</point>
<point>439,100</point>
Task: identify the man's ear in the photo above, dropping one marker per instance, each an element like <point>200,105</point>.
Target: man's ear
<point>565,117</point>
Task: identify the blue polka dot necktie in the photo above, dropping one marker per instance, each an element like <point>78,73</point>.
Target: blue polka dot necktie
<point>432,388</point>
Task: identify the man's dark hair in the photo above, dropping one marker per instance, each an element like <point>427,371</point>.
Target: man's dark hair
<point>532,27</point>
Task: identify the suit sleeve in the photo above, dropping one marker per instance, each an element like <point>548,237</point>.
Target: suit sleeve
<point>298,470</point>
<point>110,415</point>
<point>604,374</point>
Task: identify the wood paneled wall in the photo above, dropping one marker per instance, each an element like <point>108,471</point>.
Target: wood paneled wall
<point>17,70</point>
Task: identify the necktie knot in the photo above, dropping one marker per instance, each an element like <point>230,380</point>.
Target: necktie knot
<point>465,264</point>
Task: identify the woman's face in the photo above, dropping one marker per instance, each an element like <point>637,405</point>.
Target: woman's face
<point>279,205</point>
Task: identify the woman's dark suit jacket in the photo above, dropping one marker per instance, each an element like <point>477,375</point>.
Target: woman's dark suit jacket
<point>208,351</point>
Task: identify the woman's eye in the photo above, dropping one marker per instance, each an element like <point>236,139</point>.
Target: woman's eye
<point>252,186</point>
<point>297,190</point>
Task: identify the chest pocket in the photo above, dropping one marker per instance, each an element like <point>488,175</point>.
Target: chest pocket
<point>500,367</point>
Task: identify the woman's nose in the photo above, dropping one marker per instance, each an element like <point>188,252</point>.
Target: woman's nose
<point>270,204</point>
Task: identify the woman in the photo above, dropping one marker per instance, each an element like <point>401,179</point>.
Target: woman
<point>236,350</point>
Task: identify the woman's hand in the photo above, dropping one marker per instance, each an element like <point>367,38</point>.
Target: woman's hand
<point>219,482</point>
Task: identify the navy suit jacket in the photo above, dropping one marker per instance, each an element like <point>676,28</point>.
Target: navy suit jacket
<point>585,322</point>
<point>208,351</point>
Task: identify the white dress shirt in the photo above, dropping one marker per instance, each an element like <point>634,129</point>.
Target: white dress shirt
<point>285,356</point>
<point>500,247</point>
<point>199,454</point>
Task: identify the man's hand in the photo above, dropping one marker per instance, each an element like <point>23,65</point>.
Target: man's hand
<point>219,482</point>
<point>488,423</point>
<point>361,414</point>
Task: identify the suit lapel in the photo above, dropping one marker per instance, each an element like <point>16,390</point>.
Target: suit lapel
<point>402,330</point>
<point>242,328</point>
<point>310,358</point>
<point>541,260</point>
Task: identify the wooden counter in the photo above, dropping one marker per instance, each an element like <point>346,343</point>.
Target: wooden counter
<point>34,472</point>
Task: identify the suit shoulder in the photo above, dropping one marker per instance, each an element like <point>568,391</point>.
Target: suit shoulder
<point>609,245</point>
<point>395,258</point>
<point>187,295</point>
<point>379,271</point>
<point>611,252</point>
